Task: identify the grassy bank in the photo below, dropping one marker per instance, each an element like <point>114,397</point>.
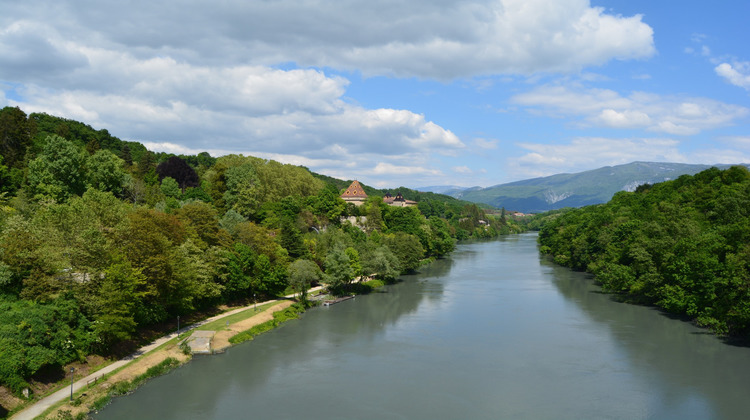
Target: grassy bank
<point>292,312</point>
<point>159,361</point>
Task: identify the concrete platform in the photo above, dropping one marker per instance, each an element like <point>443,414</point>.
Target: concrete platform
<point>200,342</point>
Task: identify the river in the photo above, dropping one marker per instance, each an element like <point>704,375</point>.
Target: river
<point>495,331</point>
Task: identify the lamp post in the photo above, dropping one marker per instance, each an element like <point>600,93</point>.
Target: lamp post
<point>71,384</point>
<point>178,325</point>
<point>255,303</point>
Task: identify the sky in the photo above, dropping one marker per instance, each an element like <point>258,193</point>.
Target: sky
<point>394,93</point>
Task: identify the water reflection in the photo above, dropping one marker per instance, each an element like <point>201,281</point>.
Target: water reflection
<point>491,332</point>
<point>684,360</point>
<point>298,349</point>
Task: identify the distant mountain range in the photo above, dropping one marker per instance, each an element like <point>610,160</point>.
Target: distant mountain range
<point>571,190</point>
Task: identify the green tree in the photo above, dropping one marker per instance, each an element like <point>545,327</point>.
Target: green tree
<point>338,270</point>
<point>59,171</point>
<point>15,136</point>
<point>113,305</point>
<point>406,248</point>
<point>302,274</point>
<point>105,172</point>
<point>382,264</point>
<point>170,187</point>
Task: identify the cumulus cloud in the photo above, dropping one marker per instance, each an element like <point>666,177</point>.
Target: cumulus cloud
<point>245,77</point>
<point>429,39</point>
<point>639,110</point>
<point>737,73</point>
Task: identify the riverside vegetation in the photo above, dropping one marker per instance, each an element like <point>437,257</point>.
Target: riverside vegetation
<point>103,243</point>
<point>681,245</point>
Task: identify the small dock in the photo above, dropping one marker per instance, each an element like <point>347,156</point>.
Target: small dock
<point>200,342</point>
<point>337,300</point>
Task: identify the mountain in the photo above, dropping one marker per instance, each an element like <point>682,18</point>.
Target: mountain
<point>442,189</point>
<point>579,189</point>
<point>452,190</point>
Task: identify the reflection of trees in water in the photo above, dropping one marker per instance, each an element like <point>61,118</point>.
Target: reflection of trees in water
<point>299,346</point>
<point>684,357</point>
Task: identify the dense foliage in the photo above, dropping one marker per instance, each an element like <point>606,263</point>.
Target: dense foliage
<point>682,245</point>
<point>100,238</point>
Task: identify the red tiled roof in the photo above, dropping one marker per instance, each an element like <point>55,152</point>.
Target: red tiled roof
<point>355,190</point>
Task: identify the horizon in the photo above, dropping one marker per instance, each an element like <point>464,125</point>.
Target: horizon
<point>477,93</point>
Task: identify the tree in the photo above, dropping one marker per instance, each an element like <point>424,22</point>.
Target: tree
<point>260,239</point>
<point>230,220</point>
<point>374,215</point>
<point>241,193</point>
<point>59,171</point>
<point>146,163</point>
<point>170,187</point>
<point>383,264</point>
<point>441,242</point>
<point>105,172</point>
<point>406,248</point>
<point>177,169</point>
<point>302,274</point>
<point>126,156</point>
<point>339,272</point>
<point>148,240</point>
<point>114,303</point>
<point>15,135</point>
<point>6,184</point>
<point>291,240</point>
<point>202,222</point>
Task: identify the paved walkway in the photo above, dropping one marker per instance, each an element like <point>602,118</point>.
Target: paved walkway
<point>45,403</point>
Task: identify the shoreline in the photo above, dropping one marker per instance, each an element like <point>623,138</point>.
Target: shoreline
<point>99,384</point>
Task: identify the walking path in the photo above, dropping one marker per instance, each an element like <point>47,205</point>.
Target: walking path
<point>45,403</point>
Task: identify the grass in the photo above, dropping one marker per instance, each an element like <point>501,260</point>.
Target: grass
<point>220,324</point>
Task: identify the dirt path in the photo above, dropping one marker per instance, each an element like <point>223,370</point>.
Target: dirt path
<point>221,338</point>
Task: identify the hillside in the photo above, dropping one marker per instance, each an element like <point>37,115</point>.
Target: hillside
<point>578,189</point>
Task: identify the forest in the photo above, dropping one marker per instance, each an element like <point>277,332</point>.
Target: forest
<point>681,245</point>
<point>101,238</point>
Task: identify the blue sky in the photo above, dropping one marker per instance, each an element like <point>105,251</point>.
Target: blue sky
<point>395,93</point>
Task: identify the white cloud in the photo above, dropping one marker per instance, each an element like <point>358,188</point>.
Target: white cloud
<point>639,110</point>
<point>424,38</point>
<point>742,142</point>
<point>385,168</point>
<point>737,74</point>
<point>486,144</point>
<point>462,170</point>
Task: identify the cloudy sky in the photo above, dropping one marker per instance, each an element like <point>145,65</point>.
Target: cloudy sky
<point>413,93</point>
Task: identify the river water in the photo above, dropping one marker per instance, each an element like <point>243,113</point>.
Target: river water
<point>493,332</point>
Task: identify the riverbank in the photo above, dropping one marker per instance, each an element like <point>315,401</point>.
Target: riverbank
<point>88,392</point>
<point>232,327</point>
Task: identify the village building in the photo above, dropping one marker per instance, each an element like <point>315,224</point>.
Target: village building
<point>398,201</point>
<point>355,194</point>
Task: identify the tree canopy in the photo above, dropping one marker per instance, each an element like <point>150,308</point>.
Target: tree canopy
<point>682,245</point>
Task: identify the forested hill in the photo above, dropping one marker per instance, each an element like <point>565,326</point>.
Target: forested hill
<point>101,239</point>
<point>682,245</point>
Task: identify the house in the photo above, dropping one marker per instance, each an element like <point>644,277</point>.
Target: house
<point>398,201</point>
<point>355,194</point>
